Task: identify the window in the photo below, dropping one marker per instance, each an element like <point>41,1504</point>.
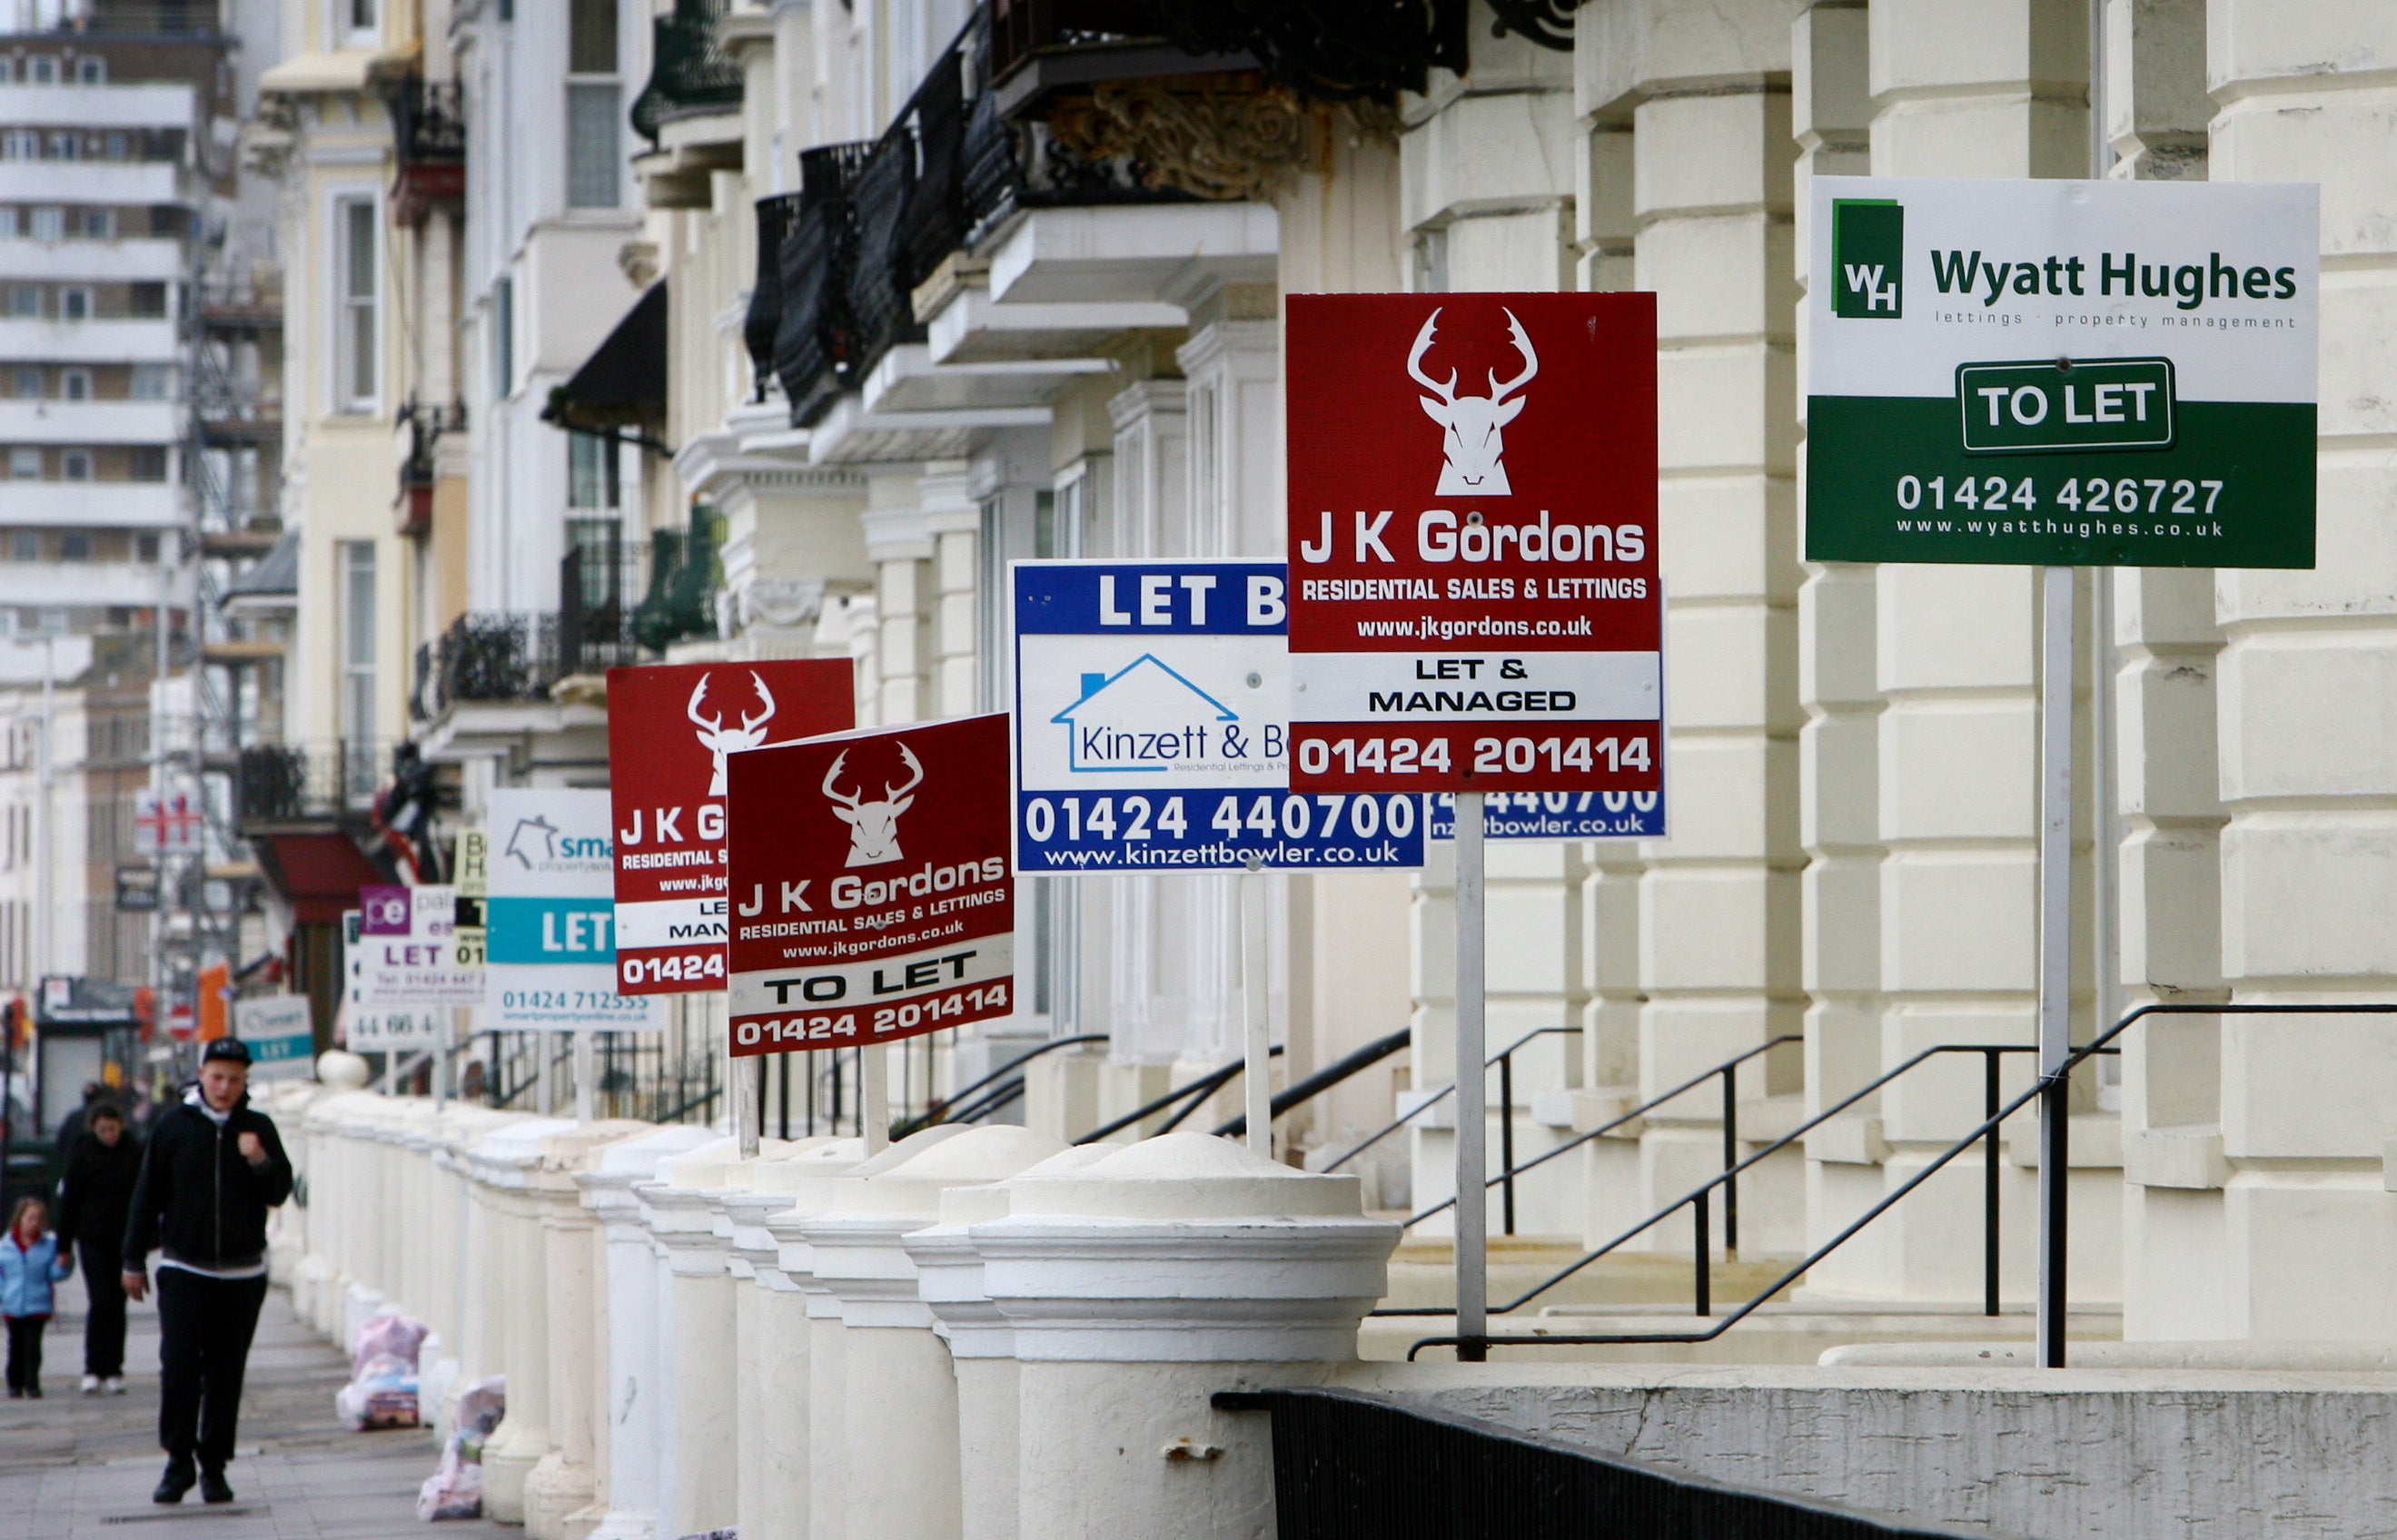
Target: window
<point>25,299</point>
<point>66,146</point>
<point>593,149</point>
<point>100,224</point>
<point>356,326</point>
<point>75,304</point>
<point>20,144</point>
<point>49,225</point>
<point>90,70</point>
<point>154,381</point>
<point>593,108</point>
<point>145,548</point>
<point>361,20</point>
<point>150,463</point>
<point>43,69</point>
<point>76,464</point>
<point>503,337</point>
<point>53,622</point>
<point>355,560</point>
<point>25,381</point>
<point>74,546</point>
<point>591,474</point>
<point>24,465</point>
<point>10,226</point>
<point>76,384</point>
<point>148,300</point>
<point>119,146</point>
<point>24,545</point>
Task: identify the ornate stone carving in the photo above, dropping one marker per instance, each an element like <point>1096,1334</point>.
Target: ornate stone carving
<point>1208,141</point>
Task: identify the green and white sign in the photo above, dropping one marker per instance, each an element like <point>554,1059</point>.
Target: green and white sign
<point>2077,373</point>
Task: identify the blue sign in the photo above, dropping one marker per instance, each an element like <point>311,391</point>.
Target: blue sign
<point>1152,728</point>
<point>549,930</point>
<point>1557,816</point>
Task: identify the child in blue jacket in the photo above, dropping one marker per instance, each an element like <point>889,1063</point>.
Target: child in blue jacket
<point>29,1264</point>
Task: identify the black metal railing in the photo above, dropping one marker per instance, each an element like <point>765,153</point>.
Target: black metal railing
<point>763,320</point>
<point>689,70</point>
<point>598,580</point>
<point>2052,1088</point>
<point>816,345</point>
<point>284,781</point>
<point>1353,1466</point>
<point>990,1093</point>
<point>1336,1073</point>
<point>1183,1100</point>
<point>488,655</point>
<point>428,122</point>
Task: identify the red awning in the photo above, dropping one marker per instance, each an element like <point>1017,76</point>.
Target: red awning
<point>317,873</point>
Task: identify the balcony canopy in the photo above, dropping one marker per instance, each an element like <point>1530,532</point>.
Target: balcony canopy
<point>622,385</point>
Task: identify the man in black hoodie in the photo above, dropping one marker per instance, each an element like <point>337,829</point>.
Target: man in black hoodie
<point>213,1167</point>
<point>94,1199</point>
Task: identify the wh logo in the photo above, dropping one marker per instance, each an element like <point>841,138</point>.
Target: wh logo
<point>1868,259</point>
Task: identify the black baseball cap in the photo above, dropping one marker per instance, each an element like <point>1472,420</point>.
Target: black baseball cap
<point>225,1048</point>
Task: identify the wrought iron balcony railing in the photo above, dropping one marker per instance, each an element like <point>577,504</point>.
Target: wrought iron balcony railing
<point>285,782</point>
<point>690,72</point>
<point>816,343</point>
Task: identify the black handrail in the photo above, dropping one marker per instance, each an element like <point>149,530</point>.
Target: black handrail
<point>1325,1079</point>
<point>945,1110</point>
<point>2055,1086</point>
<point>1697,1200</point>
<point>1435,1098</point>
<point>1194,1094</point>
<point>1728,1069</point>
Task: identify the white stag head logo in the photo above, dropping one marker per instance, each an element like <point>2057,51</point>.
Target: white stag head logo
<point>873,826</point>
<point>1470,426</point>
<point>720,741</point>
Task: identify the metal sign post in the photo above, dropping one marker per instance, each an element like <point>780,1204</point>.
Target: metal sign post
<point>1472,1089</point>
<point>1258,1047</point>
<point>874,1101</point>
<point>2056,675</point>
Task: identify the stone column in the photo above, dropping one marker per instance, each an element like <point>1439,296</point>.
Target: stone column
<point>1963,89</point>
<point>982,1345</point>
<point>632,1393</point>
<point>773,1357</point>
<point>2310,856</point>
<point>1139,1285</point>
<point>507,1165</point>
<point>902,1399</point>
<point>562,1482</point>
<point>695,1444</point>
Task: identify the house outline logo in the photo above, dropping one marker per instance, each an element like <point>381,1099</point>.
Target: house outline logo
<point>1102,747</point>
<point>1868,259</point>
<point>520,846</point>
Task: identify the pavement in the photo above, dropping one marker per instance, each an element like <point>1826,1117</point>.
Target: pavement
<point>80,1467</point>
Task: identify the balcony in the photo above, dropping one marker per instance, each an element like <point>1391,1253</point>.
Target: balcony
<point>428,130</point>
<point>80,181</point>
<point>78,585</point>
<point>90,422</point>
<point>690,73</point>
<point>113,341</point>
<point>144,105</point>
<point>140,258</point>
<point>91,504</point>
<point>289,783</point>
<point>873,221</point>
<point>517,658</point>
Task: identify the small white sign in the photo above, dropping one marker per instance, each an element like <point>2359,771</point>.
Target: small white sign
<point>279,1034</point>
<point>379,1028</point>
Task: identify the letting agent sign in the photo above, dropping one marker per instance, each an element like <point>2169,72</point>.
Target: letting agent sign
<point>671,727</point>
<point>872,898</point>
<point>2074,373</point>
<point>1474,604</point>
<point>1152,713</point>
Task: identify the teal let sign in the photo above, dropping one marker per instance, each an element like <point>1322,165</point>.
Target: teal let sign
<point>2066,404</point>
<point>550,930</point>
<point>281,1050</point>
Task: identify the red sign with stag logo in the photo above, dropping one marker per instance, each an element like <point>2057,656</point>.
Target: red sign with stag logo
<point>872,898</point>
<point>1473,584</point>
<point>672,731</point>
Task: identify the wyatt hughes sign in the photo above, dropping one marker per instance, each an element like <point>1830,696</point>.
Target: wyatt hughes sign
<point>1474,603</point>
<point>672,730</point>
<point>2098,373</point>
<point>871,895</point>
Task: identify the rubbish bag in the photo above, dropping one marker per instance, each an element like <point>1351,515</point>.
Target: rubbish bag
<point>383,1388</point>
<point>455,1488</point>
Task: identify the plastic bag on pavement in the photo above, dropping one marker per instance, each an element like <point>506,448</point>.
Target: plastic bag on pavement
<point>455,1488</point>
<point>381,1392</point>
<point>386,1336</point>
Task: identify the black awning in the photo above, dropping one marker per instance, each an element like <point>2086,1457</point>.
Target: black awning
<point>622,384</point>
